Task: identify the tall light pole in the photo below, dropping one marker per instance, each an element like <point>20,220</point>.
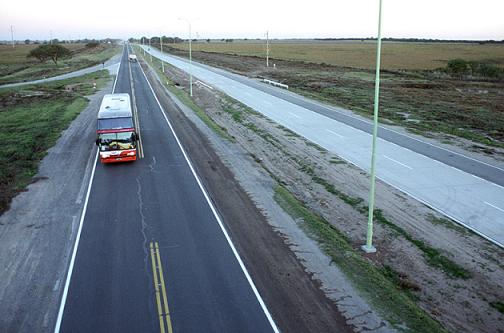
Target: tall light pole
<point>190,57</point>
<point>150,49</point>
<point>267,48</point>
<point>368,247</point>
<point>162,62</point>
<point>12,35</point>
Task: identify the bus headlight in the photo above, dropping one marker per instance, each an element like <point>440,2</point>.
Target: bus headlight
<point>131,153</point>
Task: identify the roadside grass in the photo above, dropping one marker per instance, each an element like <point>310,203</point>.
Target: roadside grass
<point>499,306</point>
<point>359,54</point>
<point>16,67</point>
<point>184,97</point>
<point>432,255</point>
<point>31,121</point>
<point>391,302</point>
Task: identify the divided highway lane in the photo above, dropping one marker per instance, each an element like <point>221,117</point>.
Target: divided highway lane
<point>152,256</point>
<point>475,202</point>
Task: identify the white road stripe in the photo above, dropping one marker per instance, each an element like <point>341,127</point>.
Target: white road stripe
<point>294,115</point>
<point>404,165</point>
<point>337,134</point>
<point>489,204</point>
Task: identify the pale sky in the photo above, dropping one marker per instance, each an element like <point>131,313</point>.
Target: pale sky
<point>70,19</point>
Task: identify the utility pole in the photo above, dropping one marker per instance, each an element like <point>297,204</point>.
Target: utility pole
<point>162,62</point>
<point>12,35</point>
<point>190,57</point>
<point>190,61</point>
<point>267,48</point>
<point>150,49</point>
<point>368,247</point>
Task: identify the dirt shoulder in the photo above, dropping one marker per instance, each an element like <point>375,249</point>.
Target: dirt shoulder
<point>453,275</point>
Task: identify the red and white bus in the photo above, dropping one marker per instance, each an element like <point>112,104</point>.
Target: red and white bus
<point>117,139</point>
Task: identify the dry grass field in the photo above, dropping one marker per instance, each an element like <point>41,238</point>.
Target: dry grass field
<point>357,54</point>
<point>16,67</point>
<point>17,55</point>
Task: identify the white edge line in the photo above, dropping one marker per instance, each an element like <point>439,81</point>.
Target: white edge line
<point>404,165</point>
<point>74,253</point>
<point>77,238</point>
<point>214,211</point>
<point>337,134</point>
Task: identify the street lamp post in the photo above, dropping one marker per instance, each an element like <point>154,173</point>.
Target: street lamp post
<point>190,57</point>
<point>150,49</point>
<point>267,48</point>
<point>162,62</point>
<point>368,247</point>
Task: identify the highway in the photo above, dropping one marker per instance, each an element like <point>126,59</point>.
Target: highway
<point>469,191</point>
<point>151,253</point>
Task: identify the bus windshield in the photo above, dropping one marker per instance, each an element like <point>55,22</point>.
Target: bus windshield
<point>116,141</point>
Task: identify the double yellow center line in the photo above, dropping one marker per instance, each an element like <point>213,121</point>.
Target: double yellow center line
<point>161,299</point>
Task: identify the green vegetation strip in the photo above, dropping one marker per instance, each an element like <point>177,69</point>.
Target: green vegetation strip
<point>31,121</point>
<point>185,98</point>
<point>498,305</point>
<point>388,299</point>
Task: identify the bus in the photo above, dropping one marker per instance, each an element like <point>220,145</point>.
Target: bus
<point>117,138</point>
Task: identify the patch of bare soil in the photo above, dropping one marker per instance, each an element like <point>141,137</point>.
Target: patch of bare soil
<point>406,244</point>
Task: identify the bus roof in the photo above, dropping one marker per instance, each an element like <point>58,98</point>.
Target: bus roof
<point>115,106</point>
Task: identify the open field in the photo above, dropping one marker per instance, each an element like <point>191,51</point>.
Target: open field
<point>31,120</point>
<point>395,55</point>
<point>16,67</point>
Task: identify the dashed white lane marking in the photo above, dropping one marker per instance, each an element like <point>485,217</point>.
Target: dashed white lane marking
<point>489,204</point>
<point>396,161</point>
<point>337,134</point>
<point>294,115</point>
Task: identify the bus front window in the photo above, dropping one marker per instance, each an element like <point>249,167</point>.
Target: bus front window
<point>116,141</point>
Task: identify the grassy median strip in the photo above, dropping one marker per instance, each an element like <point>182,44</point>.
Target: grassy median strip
<point>392,303</point>
<point>31,121</point>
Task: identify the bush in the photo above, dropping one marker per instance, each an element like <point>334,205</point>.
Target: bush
<point>91,45</point>
<point>457,67</point>
<point>48,51</point>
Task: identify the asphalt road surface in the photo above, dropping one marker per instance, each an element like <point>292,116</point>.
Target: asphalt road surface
<point>152,256</point>
<point>470,192</point>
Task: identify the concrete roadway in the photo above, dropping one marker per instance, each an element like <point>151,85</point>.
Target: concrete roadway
<point>469,191</point>
<point>119,281</point>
